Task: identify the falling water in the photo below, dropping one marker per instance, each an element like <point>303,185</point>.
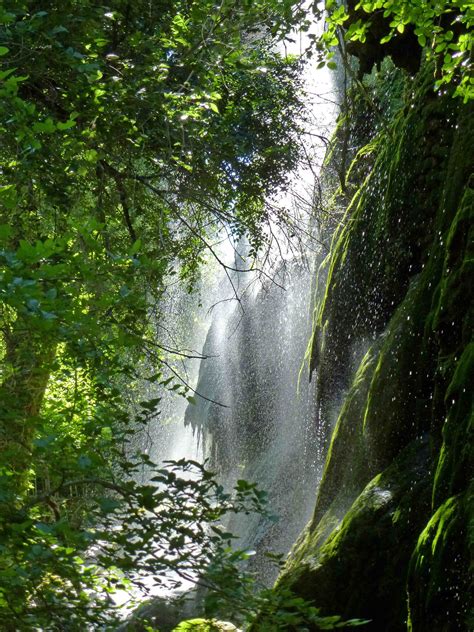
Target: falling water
<point>251,416</point>
<point>258,427</point>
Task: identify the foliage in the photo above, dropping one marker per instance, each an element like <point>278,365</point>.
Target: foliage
<point>60,574</point>
<point>282,609</point>
<point>118,115</point>
<point>443,30</point>
<point>131,133</point>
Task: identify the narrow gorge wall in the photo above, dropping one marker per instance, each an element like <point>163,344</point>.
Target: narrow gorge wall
<point>389,539</point>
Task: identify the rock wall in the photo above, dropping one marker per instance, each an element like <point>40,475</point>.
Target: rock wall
<point>389,540</point>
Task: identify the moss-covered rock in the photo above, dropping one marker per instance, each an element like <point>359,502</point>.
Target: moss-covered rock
<point>385,236</point>
<point>205,625</point>
<point>361,568</point>
<point>438,583</point>
<point>393,350</point>
<point>346,472</point>
<point>387,406</point>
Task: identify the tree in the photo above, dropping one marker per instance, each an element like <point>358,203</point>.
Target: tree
<point>131,132</point>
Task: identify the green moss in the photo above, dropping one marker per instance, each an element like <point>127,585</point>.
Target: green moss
<point>398,407</point>
<point>346,472</point>
<point>456,458</point>
<point>387,406</point>
<point>386,235</point>
<point>399,280</point>
<point>357,571</point>
<point>452,320</point>
<point>438,586</point>
<point>313,537</point>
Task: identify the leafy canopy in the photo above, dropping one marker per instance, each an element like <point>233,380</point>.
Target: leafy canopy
<point>443,30</point>
<point>131,134</point>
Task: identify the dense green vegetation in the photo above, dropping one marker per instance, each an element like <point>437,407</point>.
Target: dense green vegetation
<point>132,133</point>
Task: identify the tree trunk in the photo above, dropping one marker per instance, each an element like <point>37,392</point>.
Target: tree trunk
<point>28,364</point>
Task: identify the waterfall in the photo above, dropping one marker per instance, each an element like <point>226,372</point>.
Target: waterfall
<point>252,417</point>
<point>265,432</point>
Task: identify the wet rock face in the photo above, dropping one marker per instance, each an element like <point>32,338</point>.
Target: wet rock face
<point>206,625</point>
<point>360,569</point>
<point>389,538</point>
<point>162,614</point>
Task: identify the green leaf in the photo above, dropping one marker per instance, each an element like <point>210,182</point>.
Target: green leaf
<point>91,155</point>
<point>66,125</point>
<point>108,505</point>
<point>84,462</point>
<point>59,29</point>
<point>6,230</point>
<point>136,247</point>
<point>46,126</point>
<point>150,404</point>
<point>5,73</point>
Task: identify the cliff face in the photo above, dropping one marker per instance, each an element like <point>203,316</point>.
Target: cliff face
<point>389,539</point>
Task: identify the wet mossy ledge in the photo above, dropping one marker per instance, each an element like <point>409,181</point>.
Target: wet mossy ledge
<point>391,539</point>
